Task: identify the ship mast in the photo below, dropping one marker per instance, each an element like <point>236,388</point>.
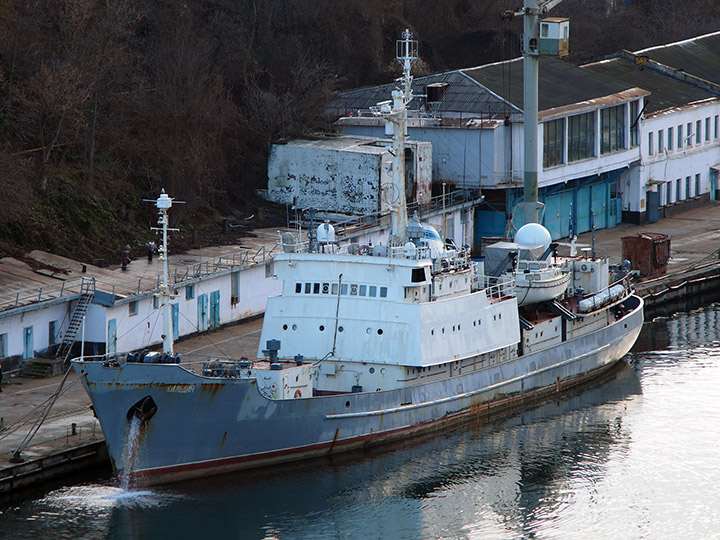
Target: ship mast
<point>395,114</point>
<point>163,204</point>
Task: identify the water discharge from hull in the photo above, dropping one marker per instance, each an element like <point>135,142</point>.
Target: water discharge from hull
<point>130,453</point>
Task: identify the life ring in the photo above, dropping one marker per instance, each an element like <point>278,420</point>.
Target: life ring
<point>298,393</point>
<point>364,250</point>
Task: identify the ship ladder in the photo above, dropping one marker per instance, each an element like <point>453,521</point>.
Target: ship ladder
<point>86,295</point>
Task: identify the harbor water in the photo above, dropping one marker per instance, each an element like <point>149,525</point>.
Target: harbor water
<point>634,456</point>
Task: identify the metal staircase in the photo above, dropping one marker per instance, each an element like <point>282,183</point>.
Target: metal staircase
<point>86,294</point>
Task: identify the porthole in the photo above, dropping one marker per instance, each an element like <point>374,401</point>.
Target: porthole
<point>443,330</point>
<point>368,330</point>
<point>380,331</point>
<point>453,327</point>
<point>432,331</point>
<point>458,327</point>
<point>322,328</point>
<point>372,370</point>
<point>340,329</point>
<point>284,326</point>
<point>347,404</point>
<point>499,315</point>
<point>294,326</point>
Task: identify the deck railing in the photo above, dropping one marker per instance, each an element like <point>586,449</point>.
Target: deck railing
<point>70,287</point>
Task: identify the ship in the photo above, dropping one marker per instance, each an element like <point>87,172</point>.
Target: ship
<point>366,345</point>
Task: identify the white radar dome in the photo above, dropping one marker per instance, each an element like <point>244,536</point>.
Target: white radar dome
<point>326,234</point>
<point>533,234</point>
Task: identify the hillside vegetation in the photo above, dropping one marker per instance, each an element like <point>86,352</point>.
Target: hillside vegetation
<point>104,102</point>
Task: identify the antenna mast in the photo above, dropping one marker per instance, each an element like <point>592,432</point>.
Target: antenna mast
<point>395,114</point>
<point>163,204</point>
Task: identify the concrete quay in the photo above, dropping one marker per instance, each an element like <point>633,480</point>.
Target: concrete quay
<point>59,451</point>
<point>693,271</point>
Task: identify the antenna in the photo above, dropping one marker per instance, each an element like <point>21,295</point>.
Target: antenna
<point>395,115</point>
<point>163,204</point>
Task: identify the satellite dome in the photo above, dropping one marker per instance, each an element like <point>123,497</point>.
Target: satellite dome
<point>326,233</point>
<point>533,234</point>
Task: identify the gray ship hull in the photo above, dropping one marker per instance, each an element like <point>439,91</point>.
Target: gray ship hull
<point>209,425</point>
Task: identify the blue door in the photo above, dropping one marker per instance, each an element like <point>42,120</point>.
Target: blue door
<point>202,306</point>
<point>653,206</point>
<point>28,342</point>
<point>112,336</point>
<point>214,309</point>
<point>713,184</point>
<point>175,314</point>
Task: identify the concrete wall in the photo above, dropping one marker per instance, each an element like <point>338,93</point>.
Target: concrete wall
<point>662,168</point>
<point>333,179</point>
<point>36,318</point>
<point>461,157</point>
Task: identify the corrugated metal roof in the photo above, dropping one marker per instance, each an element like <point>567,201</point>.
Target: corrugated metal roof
<point>498,88</point>
<point>463,95</point>
<point>666,92</point>
<point>492,89</point>
<point>560,83</point>
<point>698,56</point>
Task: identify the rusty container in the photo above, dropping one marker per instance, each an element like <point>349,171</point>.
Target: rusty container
<point>647,252</point>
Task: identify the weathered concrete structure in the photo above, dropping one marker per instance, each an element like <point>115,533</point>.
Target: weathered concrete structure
<point>350,175</point>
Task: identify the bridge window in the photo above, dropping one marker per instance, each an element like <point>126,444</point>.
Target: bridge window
<point>383,292</point>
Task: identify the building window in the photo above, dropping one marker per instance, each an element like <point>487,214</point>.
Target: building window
<point>670,139</point>
<point>132,308</point>
<point>707,129</point>
<point>698,132</point>
<point>687,187</point>
<point>234,288</point>
<point>697,184</point>
<point>156,302</point>
<point>661,141</point>
<point>717,127</point>
<point>189,292</point>
<point>553,142</point>
<point>52,332</point>
<point>679,137</point>
<point>668,193</point>
<point>689,136</point>
<point>651,147</point>
<point>677,189</point>
<point>581,136</point>
<point>3,345</point>
<point>612,129</point>
<point>634,121</point>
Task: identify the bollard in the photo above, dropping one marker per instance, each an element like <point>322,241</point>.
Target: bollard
<point>73,428</point>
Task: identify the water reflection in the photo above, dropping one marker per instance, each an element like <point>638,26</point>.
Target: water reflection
<point>633,457</point>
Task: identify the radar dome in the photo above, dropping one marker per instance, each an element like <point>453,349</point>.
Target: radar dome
<point>533,234</point>
<point>326,234</point>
